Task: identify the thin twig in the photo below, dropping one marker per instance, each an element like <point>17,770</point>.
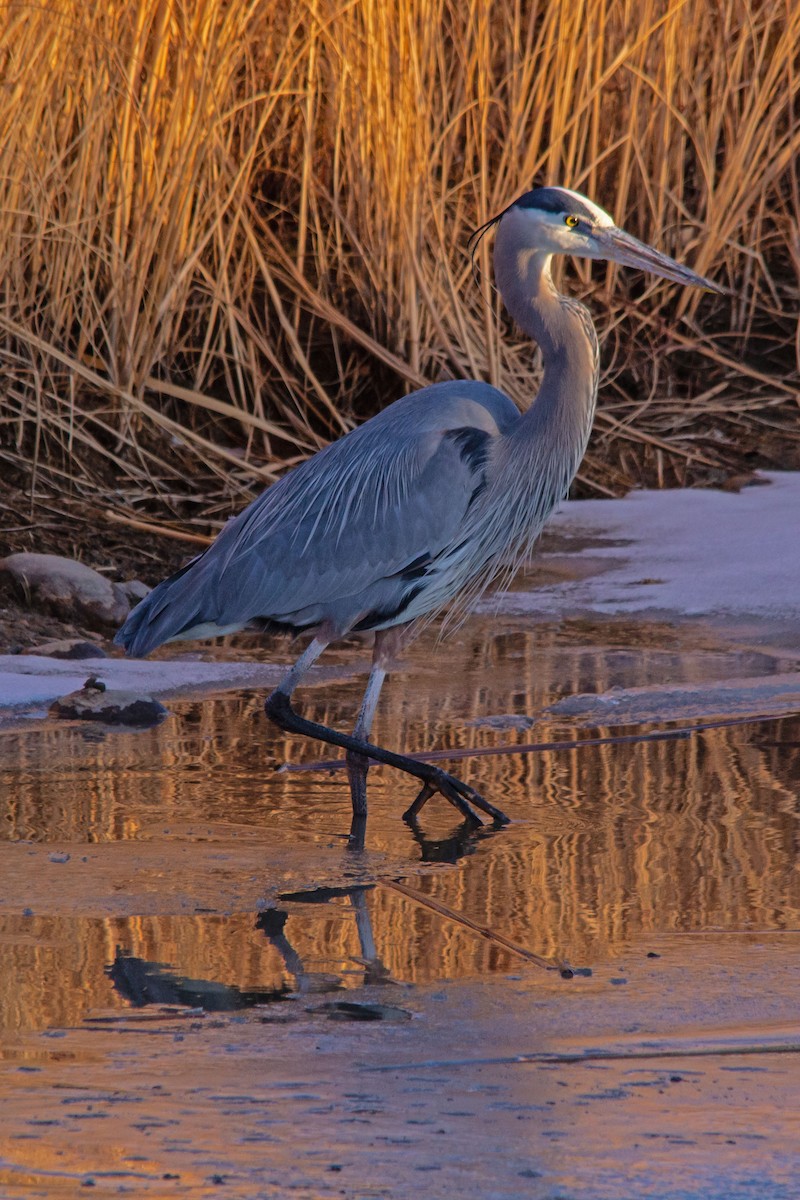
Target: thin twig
<point>666,735</point>
<point>482,930</point>
<point>177,535</point>
<point>589,1056</point>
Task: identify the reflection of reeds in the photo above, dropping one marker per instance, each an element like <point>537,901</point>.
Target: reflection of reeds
<point>613,842</point>
<point>229,230</point>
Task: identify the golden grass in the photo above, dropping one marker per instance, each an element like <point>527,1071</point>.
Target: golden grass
<point>229,231</point>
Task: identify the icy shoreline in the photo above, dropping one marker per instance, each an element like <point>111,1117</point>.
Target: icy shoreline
<point>721,556</point>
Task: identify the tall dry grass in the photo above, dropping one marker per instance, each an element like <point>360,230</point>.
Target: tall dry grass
<point>229,231</point>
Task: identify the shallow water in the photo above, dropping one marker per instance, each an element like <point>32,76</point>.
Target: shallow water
<point>173,865</point>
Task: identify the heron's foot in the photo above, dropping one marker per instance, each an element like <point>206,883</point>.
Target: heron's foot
<point>359,752</point>
<point>459,794</point>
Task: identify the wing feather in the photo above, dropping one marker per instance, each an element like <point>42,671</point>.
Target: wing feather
<point>345,537</point>
<point>332,541</point>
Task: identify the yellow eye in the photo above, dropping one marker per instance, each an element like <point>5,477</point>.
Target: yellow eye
<point>572,221</point>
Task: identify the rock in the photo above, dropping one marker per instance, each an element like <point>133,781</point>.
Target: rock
<point>67,588</point>
<point>135,590</point>
<point>359,1010</point>
<point>69,648</point>
<point>95,703</point>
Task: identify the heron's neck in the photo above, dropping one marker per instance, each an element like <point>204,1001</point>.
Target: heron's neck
<point>566,337</point>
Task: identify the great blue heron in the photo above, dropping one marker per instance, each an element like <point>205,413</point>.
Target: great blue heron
<point>426,502</point>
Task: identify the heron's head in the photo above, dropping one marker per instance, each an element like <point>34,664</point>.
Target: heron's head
<point>555,220</point>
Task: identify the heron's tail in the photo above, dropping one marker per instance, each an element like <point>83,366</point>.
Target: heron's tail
<point>170,611</point>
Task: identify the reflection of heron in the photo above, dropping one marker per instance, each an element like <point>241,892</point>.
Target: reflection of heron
<point>427,502</point>
<point>272,921</point>
<point>141,982</point>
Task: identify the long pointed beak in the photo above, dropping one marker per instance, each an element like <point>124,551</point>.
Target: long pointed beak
<point>618,246</point>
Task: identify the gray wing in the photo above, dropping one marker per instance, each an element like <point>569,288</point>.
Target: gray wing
<point>345,538</point>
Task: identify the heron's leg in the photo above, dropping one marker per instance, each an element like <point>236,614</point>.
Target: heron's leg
<point>279,710</point>
<point>459,794</point>
<point>298,670</point>
<point>358,764</point>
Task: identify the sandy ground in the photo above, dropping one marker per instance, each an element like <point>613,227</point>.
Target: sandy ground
<point>181,1015</point>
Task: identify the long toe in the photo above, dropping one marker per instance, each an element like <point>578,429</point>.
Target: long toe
<point>450,794</point>
<point>474,798</point>
<point>413,810</point>
<point>446,785</point>
<point>459,794</point>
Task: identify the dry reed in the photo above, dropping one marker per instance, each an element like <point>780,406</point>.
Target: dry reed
<point>227,232</point>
